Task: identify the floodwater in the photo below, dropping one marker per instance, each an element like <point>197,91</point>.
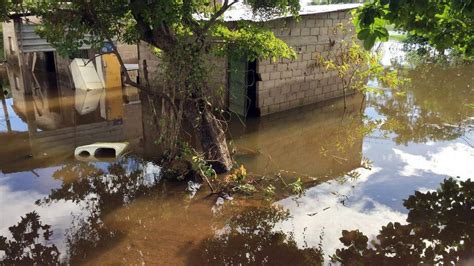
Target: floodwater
<point>357,165</point>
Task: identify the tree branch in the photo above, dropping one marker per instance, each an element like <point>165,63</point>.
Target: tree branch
<point>225,6</point>
<point>160,37</point>
<point>97,55</point>
<point>188,15</point>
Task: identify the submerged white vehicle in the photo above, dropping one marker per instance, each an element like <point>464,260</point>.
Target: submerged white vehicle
<point>100,151</point>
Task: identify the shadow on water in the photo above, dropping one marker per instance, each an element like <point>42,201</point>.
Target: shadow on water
<point>26,247</point>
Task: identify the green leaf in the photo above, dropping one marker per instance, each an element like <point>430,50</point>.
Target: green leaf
<point>382,33</point>
<point>369,42</point>
<point>363,34</point>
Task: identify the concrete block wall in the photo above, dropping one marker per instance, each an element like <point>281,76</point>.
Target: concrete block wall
<point>217,79</point>
<point>10,44</point>
<point>145,53</point>
<point>129,53</point>
<point>287,84</point>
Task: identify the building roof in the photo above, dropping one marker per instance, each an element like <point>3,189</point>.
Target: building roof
<point>243,12</point>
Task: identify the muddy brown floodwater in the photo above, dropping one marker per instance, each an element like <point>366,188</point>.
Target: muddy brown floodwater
<point>358,165</point>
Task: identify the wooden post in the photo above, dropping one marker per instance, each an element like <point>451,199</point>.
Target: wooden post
<point>5,108</point>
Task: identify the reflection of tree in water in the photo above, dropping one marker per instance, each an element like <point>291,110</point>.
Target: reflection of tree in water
<point>434,107</point>
<point>29,245</point>
<point>439,230</point>
<point>250,239</point>
<point>99,192</point>
<point>103,190</point>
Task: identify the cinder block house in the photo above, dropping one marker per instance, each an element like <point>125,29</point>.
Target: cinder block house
<point>264,87</point>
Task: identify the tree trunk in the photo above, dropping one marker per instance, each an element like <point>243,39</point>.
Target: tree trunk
<point>211,135</point>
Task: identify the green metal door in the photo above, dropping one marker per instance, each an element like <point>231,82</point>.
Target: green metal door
<point>238,86</point>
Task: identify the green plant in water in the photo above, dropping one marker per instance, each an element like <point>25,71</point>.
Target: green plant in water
<point>297,187</point>
<point>353,175</point>
<point>239,181</point>
<point>269,191</point>
<point>366,163</point>
<point>202,167</point>
<point>354,66</point>
<point>239,175</point>
<point>245,188</point>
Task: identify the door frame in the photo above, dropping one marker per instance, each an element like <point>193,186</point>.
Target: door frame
<point>251,79</point>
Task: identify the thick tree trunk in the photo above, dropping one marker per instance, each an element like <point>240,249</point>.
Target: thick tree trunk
<point>211,135</point>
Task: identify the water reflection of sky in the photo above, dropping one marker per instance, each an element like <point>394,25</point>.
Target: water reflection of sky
<point>320,213</point>
<point>417,165</point>
<point>20,191</point>
<point>376,197</point>
<point>17,123</point>
<point>398,170</point>
<point>31,181</point>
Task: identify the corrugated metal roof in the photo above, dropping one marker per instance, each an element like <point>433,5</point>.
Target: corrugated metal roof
<point>29,41</point>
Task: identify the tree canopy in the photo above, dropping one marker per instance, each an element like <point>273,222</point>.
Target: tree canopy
<point>162,23</point>
<point>4,8</point>
<point>443,23</point>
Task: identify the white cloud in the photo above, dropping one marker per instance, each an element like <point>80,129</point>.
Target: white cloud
<point>14,204</point>
<point>456,159</point>
<point>320,209</point>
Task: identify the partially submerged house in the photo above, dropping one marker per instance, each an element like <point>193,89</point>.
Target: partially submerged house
<point>58,116</point>
<point>254,88</point>
<point>46,127</point>
<point>263,87</point>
